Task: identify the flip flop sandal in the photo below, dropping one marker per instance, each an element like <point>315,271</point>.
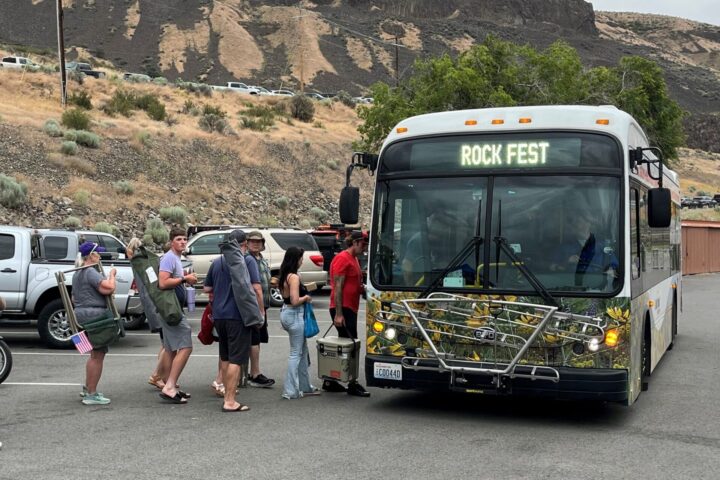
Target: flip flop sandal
<point>184,394</point>
<point>156,382</point>
<point>218,388</point>
<point>176,399</point>
<point>240,408</point>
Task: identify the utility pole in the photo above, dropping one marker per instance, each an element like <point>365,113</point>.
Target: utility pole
<point>302,50</point>
<point>61,54</point>
<point>397,61</point>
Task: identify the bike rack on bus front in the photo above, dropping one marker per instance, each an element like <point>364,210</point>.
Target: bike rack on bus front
<point>542,319</point>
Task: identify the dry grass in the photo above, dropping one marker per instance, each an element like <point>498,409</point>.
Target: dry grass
<point>132,19</point>
<point>72,164</point>
<point>300,36</point>
<point>174,44</point>
<point>410,39</point>
<point>359,53</point>
<point>225,20</point>
<point>699,170</point>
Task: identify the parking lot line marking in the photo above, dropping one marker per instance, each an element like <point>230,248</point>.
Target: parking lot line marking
<point>48,384</point>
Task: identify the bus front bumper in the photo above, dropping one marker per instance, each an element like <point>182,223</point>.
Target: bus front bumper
<point>610,385</point>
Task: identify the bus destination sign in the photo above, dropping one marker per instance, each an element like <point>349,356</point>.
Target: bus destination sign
<point>504,154</point>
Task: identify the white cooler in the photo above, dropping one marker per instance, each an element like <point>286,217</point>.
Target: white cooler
<point>338,358</point>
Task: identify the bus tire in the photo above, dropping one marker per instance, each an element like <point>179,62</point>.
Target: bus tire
<point>645,357</point>
<point>674,322</point>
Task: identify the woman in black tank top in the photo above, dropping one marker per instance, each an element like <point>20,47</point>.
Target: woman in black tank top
<point>292,319</point>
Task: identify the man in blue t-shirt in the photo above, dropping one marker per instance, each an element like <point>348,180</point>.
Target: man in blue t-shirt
<point>234,336</point>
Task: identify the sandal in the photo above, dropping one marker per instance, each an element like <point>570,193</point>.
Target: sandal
<point>239,408</point>
<point>218,388</point>
<point>156,382</point>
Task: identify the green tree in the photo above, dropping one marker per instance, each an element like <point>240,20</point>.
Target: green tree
<point>497,73</point>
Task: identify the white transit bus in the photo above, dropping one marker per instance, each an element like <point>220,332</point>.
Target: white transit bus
<point>523,250</point>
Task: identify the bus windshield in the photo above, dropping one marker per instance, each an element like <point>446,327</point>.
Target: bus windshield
<point>564,228</point>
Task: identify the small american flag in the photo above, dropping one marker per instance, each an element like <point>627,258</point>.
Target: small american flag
<point>81,342</point>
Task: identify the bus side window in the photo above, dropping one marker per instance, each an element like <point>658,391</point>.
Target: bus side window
<point>634,234</point>
<point>644,229</point>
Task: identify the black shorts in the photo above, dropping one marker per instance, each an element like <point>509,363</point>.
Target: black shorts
<point>260,336</point>
<point>350,328</point>
<point>234,345</point>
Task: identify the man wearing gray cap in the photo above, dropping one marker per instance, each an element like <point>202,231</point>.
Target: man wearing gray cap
<point>234,331</point>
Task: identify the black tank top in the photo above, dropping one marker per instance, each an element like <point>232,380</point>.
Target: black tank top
<point>302,293</point>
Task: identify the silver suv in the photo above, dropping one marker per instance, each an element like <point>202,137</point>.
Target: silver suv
<point>204,247</point>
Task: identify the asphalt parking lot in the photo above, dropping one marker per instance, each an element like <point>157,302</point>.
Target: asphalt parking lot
<point>671,432</point>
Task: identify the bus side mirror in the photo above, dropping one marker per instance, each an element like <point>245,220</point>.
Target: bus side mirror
<point>349,205</point>
<point>659,212</point>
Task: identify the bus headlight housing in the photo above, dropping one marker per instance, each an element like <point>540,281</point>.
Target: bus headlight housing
<point>378,326</point>
<point>390,333</point>
<point>611,338</point>
<point>594,345</point>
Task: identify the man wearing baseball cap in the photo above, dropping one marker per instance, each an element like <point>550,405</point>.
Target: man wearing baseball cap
<point>346,284</point>
<point>256,244</point>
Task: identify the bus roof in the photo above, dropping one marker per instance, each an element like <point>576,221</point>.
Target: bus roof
<point>605,118</point>
<point>544,117</point>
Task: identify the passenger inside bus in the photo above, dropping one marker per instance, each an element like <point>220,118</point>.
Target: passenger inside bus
<point>432,248</point>
<point>581,252</point>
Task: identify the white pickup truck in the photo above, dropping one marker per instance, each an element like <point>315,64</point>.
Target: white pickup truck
<point>28,262</point>
<point>238,87</point>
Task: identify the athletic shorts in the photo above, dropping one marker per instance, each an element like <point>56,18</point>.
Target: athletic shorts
<point>260,336</point>
<point>234,344</point>
<point>176,337</point>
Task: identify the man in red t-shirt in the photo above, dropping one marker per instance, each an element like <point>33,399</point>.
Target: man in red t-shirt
<point>346,284</point>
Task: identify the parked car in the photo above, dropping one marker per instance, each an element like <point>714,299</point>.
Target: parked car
<point>716,197</point>
<point>687,202</point>
<point>18,63</point>
<point>314,96</point>
<point>283,93</point>
<point>363,100</point>
<point>84,68</point>
<point>261,90</point>
<point>331,241</point>
<point>240,87</point>
<point>204,247</point>
<point>137,77</point>
<point>704,201</point>
<point>28,262</point>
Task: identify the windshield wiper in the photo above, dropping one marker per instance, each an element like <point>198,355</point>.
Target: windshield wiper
<point>503,245</point>
<point>470,246</point>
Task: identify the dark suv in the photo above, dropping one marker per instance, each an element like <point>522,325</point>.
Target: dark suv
<point>704,201</point>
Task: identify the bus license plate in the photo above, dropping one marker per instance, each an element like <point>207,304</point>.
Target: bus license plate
<point>388,371</point>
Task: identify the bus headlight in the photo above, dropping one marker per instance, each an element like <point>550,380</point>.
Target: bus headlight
<point>378,326</point>
<point>390,333</point>
<point>594,345</point>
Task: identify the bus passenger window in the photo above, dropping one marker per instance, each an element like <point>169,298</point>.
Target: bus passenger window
<point>634,234</point>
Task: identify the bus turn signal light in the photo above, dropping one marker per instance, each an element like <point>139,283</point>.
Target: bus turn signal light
<point>498,121</point>
<point>525,120</point>
<point>611,338</point>
<point>603,121</point>
<point>470,122</point>
<point>401,130</point>
<point>378,327</point>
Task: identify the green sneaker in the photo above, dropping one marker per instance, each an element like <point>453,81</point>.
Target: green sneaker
<point>95,399</point>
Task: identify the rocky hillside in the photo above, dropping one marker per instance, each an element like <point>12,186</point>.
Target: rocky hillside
<point>349,44</point>
<point>289,175</point>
